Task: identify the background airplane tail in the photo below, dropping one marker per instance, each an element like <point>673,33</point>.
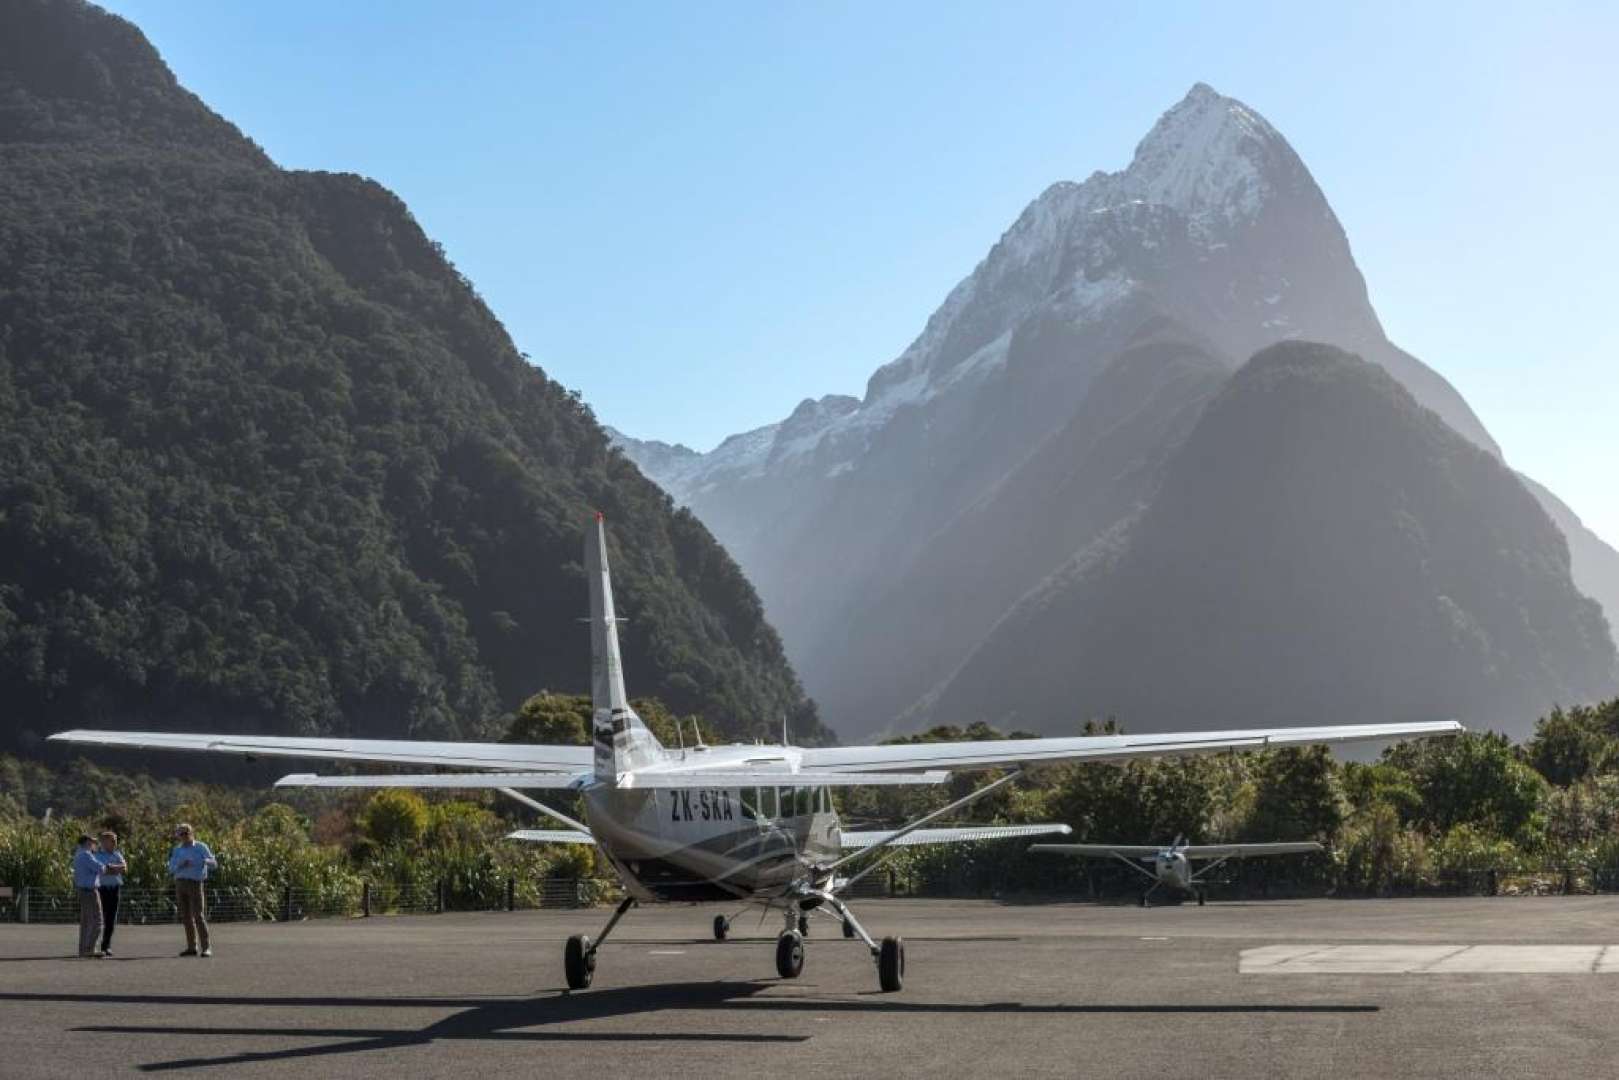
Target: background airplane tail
<point>622,742</point>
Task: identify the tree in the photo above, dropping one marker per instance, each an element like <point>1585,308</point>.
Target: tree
<point>1473,778</point>
<point>1569,746</point>
<point>395,816</point>
<point>1297,795</point>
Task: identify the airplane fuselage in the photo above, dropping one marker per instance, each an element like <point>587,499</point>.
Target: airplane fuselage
<point>702,844</point>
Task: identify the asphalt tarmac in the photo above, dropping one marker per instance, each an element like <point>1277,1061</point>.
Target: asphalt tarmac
<point>991,989</point>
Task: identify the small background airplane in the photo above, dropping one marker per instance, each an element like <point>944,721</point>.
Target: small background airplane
<point>1172,865</point>
<point>741,824</point>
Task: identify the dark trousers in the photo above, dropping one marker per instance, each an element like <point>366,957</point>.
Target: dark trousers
<point>109,913</point>
<point>188,896</point>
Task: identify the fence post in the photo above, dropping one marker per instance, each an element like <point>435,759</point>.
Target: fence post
<point>22,904</point>
<point>511,894</point>
<point>365,899</point>
<point>441,896</point>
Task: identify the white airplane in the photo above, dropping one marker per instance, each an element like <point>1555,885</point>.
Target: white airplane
<point>1172,865</point>
<point>742,824</point>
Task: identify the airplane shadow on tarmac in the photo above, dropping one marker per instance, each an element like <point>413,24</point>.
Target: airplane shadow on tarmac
<point>514,1018</point>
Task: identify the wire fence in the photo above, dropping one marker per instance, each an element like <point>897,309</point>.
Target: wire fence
<point>35,904</point>
<point>1102,883</point>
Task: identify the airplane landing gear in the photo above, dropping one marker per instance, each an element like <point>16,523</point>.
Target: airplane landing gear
<point>579,955</point>
<point>722,926</point>
<point>790,955</point>
<point>848,929</point>
<point>891,964</point>
<point>803,925</point>
<point>1202,897</point>
<point>579,962</point>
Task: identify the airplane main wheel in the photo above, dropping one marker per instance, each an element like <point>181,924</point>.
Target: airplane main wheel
<point>790,955</point>
<point>1202,898</point>
<point>721,927</point>
<point>848,928</point>
<point>891,964</point>
<point>579,962</point>
<point>1143,899</point>
<point>803,925</point>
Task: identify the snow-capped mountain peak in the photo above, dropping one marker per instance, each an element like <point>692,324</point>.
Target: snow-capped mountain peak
<point>1206,155</point>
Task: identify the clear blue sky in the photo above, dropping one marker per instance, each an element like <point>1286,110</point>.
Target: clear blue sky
<point>699,214</point>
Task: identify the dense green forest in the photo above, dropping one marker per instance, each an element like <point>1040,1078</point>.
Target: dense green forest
<point>269,463</point>
<point>1422,811</point>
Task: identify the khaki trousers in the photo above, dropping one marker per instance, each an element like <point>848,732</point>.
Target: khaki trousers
<point>189,899</point>
<point>89,921</point>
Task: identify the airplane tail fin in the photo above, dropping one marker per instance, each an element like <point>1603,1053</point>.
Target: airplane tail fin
<point>622,742</point>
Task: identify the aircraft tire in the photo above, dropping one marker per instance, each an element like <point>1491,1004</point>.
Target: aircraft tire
<point>578,962</point>
<point>1202,898</point>
<point>790,955</point>
<point>721,927</point>
<point>1143,899</point>
<point>891,964</point>
<point>848,928</point>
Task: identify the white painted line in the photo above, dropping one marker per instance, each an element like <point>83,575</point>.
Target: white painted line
<point>1429,960</point>
<point>666,952</point>
<point>1154,939</point>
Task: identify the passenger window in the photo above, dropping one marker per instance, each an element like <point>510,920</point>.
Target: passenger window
<point>804,794</point>
<point>786,794</point>
<point>767,803</point>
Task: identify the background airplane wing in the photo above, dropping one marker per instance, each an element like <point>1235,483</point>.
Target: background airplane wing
<point>398,752</point>
<point>552,836</point>
<point>962,755</point>
<point>1228,851</point>
<point>854,841</point>
<point>1100,851</point>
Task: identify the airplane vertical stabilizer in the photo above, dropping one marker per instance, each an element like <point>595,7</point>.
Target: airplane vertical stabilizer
<point>622,742</point>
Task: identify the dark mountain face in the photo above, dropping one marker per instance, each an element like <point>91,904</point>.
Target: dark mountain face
<point>889,535</point>
<point>268,463</point>
<point>1321,549</point>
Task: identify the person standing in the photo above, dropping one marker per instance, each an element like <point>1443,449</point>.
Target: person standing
<point>86,878</point>
<point>190,862</point>
<point>113,869</point>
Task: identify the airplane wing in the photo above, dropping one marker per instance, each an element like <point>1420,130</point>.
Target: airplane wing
<point>569,759</point>
<point>441,780</point>
<point>965,755</point>
<point>854,841</point>
<point>1100,851</point>
<point>552,836</point>
<point>1230,851</point>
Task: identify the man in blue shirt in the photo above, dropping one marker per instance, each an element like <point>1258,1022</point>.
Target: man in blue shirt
<point>190,862</point>
<point>113,869</point>
<point>86,877</point>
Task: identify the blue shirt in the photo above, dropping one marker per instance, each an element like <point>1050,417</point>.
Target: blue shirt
<point>86,869</point>
<point>201,861</point>
<point>105,857</point>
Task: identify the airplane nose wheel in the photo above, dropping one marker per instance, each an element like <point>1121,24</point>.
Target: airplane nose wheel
<point>891,964</point>
<point>722,926</point>
<point>579,962</point>
<point>1202,898</point>
<point>848,929</point>
<point>790,955</point>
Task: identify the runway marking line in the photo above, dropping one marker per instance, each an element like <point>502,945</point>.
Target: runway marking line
<point>1410,959</point>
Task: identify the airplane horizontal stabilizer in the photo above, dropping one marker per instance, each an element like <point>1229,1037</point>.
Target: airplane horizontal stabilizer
<point>717,778</point>
<point>854,841</point>
<point>441,780</point>
<point>552,836</point>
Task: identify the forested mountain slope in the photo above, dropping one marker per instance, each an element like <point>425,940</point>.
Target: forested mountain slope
<point>1322,549</point>
<point>267,461</point>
